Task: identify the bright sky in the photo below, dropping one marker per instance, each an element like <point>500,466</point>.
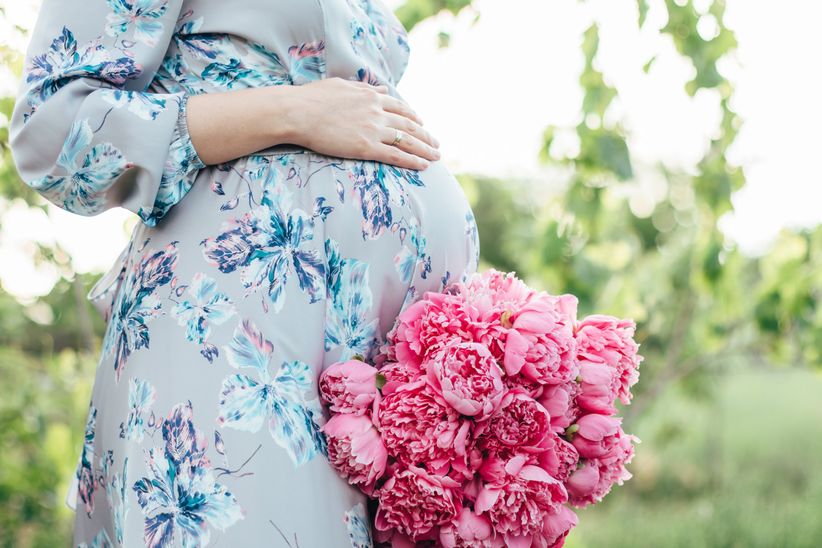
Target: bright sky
<point>489,96</point>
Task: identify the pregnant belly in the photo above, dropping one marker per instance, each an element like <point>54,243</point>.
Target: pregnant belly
<point>398,214</point>
<point>255,221</point>
<point>291,199</point>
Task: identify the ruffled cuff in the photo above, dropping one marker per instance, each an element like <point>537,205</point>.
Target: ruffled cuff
<point>181,167</point>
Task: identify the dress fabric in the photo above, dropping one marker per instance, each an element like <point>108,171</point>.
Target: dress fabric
<point>243,280</point>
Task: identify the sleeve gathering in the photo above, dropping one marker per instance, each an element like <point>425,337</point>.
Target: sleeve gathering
<point>85,133</point>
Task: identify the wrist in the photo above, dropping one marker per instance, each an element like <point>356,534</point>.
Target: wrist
<point>284,115</point>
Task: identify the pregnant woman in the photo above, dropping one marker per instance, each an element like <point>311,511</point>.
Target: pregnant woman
<point>291,205</point>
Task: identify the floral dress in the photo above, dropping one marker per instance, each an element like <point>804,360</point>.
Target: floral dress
<point>243,280</point>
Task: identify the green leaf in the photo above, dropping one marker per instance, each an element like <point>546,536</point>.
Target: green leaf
<point>642,7</point>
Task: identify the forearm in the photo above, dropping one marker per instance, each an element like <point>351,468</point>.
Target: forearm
<point>228,125</point>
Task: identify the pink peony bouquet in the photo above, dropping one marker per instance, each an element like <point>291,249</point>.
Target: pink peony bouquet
<point>487,415</point>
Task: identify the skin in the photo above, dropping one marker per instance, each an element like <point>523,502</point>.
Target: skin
<point>332,116</point>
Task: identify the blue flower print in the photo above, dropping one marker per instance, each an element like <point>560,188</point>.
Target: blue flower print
<point>281,400</point>
<point>373,197</point>
<point>368,24</point>
<point>445,279</point>
<point>207,307</point>
<point>254,66</point>
<point>180,169</point>
<point>348,305</point>
<point>86,483</point>
<point>100,540</point>
<point>144,105</point>
<point>402,175</point>
<point>88,173</point>
<point>367,38</point>
<point>407,259</point>
<point>116,494</point>
<point>378,186</point>
<point>141,396</point>
<point>182,500</point>
<point>307,62</point>
<point>410,297</point>
<point>202,44</point>
<point>136,304</point>
<point>368,76</point>
<point>65,60</point>
<point>259,66</point>
<point>359,526</point>
<point>142,14</point>
<point>230,74</point>
<point>362,38</point>
<point>372,29</point>
<point>268,244</point>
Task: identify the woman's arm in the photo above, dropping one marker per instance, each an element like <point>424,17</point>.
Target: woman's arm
<point>332,116</point>
<point>84,132</point>
<point>87,136</point>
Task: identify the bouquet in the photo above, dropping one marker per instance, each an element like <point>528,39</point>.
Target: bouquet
<point>488,413</point>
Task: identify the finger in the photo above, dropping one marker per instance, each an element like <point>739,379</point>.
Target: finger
<point>398,106</point>
<point>382,88</point>
<point>411,144</point>
<point>409,126</point>
<point>394,155</point>
<point>363,84</point>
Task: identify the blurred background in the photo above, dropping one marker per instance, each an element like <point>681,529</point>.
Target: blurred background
<point>657,158</point>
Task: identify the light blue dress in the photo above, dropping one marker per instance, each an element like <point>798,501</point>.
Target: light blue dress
<point>243,280</point>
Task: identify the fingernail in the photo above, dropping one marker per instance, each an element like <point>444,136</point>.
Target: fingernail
<point>425,164</point>
<point>436,153</point>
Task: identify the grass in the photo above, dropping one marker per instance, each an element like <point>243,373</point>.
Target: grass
<point>742,471</point>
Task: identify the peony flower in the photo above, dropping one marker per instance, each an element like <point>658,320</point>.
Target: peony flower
<point>393,539</point>
<point>356,450</point>
<point>489,410</point>
<point>597,436</point>
<point>469,530</point>
<point>590,483</point>
<point>523,384</point>
<point>518,500</point>
<point>502,289</point>
<point>558,457</point>
<point>427,325</point>
<point>609,341</point>
<point>556,528</point>
<point>418,427</point>
<point>519,424</point>
<point>475,311</point>
<point>468,378</point>
<point>540,344</point>
<point>560,402</point>
<point>415,502</point>
<point>397,374</point>
<point>349,387</point>
<point>599,386</point>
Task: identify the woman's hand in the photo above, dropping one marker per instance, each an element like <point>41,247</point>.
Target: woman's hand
<point>332,116</point>
<point>353,119</point>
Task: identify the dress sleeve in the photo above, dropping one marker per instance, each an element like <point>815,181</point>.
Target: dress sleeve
<point>85,131</point>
